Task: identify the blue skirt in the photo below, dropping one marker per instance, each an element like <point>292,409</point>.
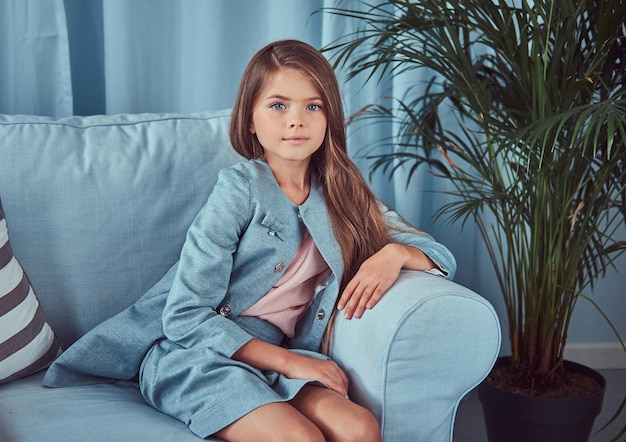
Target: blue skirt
<point>207,390</point>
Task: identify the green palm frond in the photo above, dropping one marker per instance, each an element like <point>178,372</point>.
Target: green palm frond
<point>537,157</point>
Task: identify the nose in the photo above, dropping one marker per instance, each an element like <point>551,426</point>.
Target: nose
<point>297,120</point>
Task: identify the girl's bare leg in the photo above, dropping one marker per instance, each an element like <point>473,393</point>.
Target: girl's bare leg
<point>272,422</point>
<point>337,417</point>
<point>316,414</point>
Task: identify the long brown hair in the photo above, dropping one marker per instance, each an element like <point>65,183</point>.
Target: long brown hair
<point>353,209</point>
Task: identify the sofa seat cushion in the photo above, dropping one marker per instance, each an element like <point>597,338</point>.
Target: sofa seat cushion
<point>101,412</point>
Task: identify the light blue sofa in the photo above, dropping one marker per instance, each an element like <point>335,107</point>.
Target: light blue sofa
<point>97,209</point>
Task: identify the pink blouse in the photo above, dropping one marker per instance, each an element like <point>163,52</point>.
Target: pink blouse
<point>283,304</point>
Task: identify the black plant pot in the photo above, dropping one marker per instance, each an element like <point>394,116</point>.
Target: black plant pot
<point>511,417</point>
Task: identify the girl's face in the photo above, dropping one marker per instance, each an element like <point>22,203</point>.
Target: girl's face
<point>289,118</point>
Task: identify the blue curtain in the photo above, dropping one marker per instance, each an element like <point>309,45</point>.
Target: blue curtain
<point>35,76</point>
<point>85,57</point>
<point>82,57</point>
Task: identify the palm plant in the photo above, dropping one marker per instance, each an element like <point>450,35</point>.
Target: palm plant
<point>538,157</point>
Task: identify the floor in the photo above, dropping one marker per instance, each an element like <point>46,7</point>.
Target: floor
<point>470,426</point>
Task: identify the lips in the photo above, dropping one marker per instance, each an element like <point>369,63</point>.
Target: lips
<point>295,139</point>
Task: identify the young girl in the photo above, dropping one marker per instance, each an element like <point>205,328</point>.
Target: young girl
<point>286,238</point>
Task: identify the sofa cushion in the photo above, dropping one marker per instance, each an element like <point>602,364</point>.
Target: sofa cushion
<point>109,352</point>
<point>27,342</point>
<point>95,413</point>
<point>108,203</point>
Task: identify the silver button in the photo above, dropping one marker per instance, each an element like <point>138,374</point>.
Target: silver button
<point>279,267</point>
<point>225,310</point>
<point>271,233</point>
<point>320,314</point>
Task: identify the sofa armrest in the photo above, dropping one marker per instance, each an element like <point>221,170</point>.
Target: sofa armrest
<point>413,357</point>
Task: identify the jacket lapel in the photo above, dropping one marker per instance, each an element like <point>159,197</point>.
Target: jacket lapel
<point>315,217</point>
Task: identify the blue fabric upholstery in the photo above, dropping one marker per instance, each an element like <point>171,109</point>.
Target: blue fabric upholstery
<point>100,412</point>
<point>413,357</point>
<point>99,207</point>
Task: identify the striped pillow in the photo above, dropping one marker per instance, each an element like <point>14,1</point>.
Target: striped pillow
<point>27,343</point>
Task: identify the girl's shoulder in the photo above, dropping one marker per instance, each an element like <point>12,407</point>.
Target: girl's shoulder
<point>255,175</point>
<point>255,169</point>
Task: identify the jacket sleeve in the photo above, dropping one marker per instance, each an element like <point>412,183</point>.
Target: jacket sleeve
<point>201,283</point>
<point>402,232</point>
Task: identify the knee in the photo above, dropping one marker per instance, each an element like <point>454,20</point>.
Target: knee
<point>301,432</point>
<point>364,428</point>
<point>307,434</point>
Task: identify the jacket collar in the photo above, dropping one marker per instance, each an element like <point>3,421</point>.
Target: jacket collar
<point>313,214</point>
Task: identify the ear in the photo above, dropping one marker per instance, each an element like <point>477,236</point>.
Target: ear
<point>252,129</point>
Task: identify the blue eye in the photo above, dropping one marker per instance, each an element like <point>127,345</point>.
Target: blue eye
<point>277,106</point>
<point>313,107</point>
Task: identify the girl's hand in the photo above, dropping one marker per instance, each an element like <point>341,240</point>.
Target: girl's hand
<point>266,356</point>
<point>325,371</point>
<point>377,274</point>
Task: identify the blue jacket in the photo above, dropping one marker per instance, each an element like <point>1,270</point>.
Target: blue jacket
<point>249,229</point>
<point>237,248</point>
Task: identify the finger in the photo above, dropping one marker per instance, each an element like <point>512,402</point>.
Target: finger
<point>344,378</point>
<point>342,382</point>
<point>336,381</point>
<point>348,292</point>
<point>364,302</point>
<point>351,300</point>
<point>339,388</point>
<point>376,296</point>
<point>352,304</point>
